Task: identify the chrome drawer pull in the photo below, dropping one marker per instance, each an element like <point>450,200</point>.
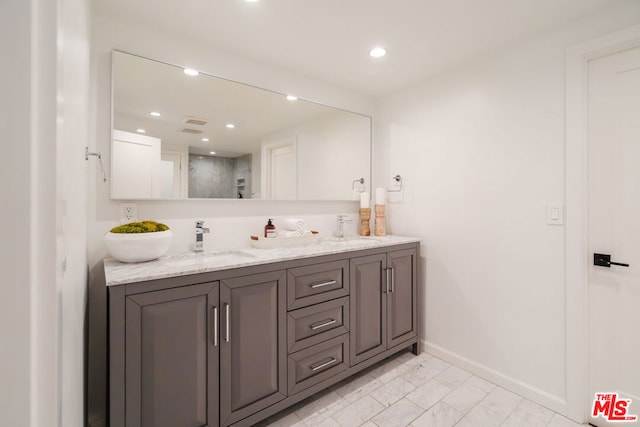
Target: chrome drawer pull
<point>321,284</point>
<point>322,324</point>
<point>227,309</point>
<point>323,365</point>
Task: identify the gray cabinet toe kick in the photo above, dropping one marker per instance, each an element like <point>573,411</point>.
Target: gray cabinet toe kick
<point>233,347</point>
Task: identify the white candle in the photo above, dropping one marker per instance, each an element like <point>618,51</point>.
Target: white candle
<point>380,196</point>
<point>364,200</point>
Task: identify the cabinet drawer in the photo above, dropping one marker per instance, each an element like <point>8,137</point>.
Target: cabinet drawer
<point>315,364</point>
<point>312,325</point>
<point>317,283</point>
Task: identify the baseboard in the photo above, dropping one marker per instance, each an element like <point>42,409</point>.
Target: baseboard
<point>541,397</point>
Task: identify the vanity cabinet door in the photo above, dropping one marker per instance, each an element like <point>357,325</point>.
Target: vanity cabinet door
<point>253,344</point>
<point>401,301</point>
<point>368,309</point>
<point>171,359</point>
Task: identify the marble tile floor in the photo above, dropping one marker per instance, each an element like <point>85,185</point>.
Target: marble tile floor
<point>408,390</point>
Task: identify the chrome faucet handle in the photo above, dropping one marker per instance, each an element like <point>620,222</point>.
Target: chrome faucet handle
<point>343,218</point>
<point>200,228</point>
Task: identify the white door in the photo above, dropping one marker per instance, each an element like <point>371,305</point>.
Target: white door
<point>171,175</point>
<point>280,170</point>
<point>614,229</point>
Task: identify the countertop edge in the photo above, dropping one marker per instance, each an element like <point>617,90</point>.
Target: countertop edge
<point>176,265</point>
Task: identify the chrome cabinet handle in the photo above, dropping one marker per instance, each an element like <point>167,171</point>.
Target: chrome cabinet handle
<point>227,310</point>
<point>323,365</point>
<point>386,290</point>
<point>215,326</point>
<point>393,280</point>
<point>321,284</point>
<point>322,324</point>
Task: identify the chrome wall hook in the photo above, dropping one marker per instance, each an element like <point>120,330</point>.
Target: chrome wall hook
<point>99,156</point>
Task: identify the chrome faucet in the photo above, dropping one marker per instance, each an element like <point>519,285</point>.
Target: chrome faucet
<point>200,230</point>
<point>342,219</point>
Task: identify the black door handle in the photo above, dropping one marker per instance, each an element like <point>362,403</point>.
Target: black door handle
<point>604,260</point>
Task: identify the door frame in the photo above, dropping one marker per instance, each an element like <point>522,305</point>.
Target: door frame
<point>576,198</point>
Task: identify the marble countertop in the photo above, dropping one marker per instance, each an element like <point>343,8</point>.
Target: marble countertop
<point>119,273</point>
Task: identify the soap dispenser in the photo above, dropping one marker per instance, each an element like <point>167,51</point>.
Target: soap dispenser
<point>269,230</point>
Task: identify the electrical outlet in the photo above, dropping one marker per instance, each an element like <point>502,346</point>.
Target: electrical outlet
<point>128,212</point>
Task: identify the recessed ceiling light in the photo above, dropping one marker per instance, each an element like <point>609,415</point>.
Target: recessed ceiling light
<point>230,125</point>
<point>205,139</point>
<point>212,152</point>
<point>251,1</point>
<point>378,52</point>
<point>141,131</point>
<point>154,114</point>
<point>191,72</point>
<point>292,97</point>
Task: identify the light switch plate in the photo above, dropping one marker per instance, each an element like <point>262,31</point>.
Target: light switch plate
<point>555,214</point>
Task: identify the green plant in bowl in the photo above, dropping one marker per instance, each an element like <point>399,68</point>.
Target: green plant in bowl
<point>146,226</point>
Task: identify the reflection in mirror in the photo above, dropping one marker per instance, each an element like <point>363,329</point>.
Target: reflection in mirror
<point>178,135</point>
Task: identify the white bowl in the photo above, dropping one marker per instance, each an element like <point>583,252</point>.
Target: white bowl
<point>138,247</point>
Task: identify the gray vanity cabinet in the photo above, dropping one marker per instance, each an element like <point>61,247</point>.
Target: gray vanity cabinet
<point>232,347</point>
<point>383,302</point>
<point>171,361</point>
<point>201,355</point>
<point>253,344</point>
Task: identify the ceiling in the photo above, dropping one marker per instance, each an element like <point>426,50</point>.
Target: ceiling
<point>329,40</point>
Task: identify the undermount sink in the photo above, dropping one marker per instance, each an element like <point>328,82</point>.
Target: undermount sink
<point>215,257</point>
<point>352,241</point>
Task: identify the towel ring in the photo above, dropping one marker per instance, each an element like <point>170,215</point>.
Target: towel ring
<point>397,179</point>
<point>361,181</point>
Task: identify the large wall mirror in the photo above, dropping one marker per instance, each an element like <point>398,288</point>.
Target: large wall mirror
<point>181,134</point>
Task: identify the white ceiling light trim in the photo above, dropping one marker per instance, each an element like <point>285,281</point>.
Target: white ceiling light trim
<point>377,52</point>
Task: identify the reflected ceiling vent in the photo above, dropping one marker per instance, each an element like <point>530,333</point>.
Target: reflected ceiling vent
<point>195,121</point>
<point>191,131</point>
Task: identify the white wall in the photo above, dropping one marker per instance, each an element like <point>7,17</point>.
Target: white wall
<point>16,291</point>
<point>108,34</point>
<point>481,151</point>
<point>71,204</point>
<point>41,300</point>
